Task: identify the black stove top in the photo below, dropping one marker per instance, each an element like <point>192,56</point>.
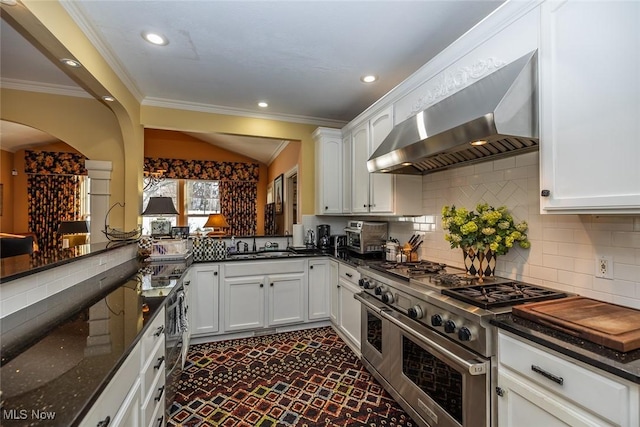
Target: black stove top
<point>502,294</point>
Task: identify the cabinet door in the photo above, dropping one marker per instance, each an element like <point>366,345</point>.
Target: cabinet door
<point>244,305</point>
<point>349,316</point>
<point>590,105</point>
<point>129,413</point>
<point>381,185</point>
<point>347,165</point>
<point>523,404</point>
<point>359,173</point>
<point>319,291</point>
<point>329,171</point>
<point>286,298</point>
<point>334,287</point>
<point>204,300</point>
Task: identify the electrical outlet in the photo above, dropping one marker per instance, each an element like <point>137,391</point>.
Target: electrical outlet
<point>604,267</point>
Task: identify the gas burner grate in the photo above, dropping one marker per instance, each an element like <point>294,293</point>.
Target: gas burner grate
<point>451,280</point>
<point>502,294</point>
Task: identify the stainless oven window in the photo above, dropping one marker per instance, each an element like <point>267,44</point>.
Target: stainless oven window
<point>374,331</point>
<point>434,377</point>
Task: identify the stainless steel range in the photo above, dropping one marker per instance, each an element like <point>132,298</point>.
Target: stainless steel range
<point>427,337</point>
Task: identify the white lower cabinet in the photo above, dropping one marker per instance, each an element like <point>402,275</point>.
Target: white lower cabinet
<point>319,288</point>
<point>345,310</point>
<point>273,295</point>
<point>334,288</point>
<point>539,387</point>
<point>134,396</point>
<point>204,296</point>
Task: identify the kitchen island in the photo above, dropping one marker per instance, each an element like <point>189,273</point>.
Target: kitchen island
<point>59,354</point>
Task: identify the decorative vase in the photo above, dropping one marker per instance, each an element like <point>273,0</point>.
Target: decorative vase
<point>471,261</point>
<point>487,264</point>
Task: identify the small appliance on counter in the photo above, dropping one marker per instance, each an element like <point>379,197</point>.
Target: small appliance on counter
<point>366,237</point>
<point>324,236</point>
<point>338,244</point>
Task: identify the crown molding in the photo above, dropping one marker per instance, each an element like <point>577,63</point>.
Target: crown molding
<point>230,111</point>
<point>49,88</point>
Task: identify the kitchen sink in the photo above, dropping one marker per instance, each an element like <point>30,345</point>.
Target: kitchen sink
<point>272,254</point>
<point>244,256</point>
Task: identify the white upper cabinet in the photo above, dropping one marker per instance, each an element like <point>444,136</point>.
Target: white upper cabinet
<point>359,172</point>
<point>328,149</point>
<point>381,185</point>
<point>590,107</point>
<point>346,173</point>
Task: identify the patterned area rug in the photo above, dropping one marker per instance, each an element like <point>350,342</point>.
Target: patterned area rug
<point>303,378</point>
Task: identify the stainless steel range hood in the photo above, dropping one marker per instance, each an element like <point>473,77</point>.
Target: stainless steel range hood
<point>501,109</point>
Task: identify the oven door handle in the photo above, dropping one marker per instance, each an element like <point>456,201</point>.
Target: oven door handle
<point>479,368</point>
<point>364,300</point>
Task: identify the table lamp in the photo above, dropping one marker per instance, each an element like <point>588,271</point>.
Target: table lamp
<point>74,233</point>
<point>218,223</point>
<point>159,206</point>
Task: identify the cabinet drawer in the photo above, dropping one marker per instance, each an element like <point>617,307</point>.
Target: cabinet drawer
<point>348,273</point>
<point>154,400</point>
<point>151,368</point>
<point>112,397</point>
<point>588,389</point>
<point>153,335</point>
<point>245,268</point>
<point>158,418</point>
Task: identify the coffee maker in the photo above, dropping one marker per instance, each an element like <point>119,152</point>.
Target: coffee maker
<point>324,237</point>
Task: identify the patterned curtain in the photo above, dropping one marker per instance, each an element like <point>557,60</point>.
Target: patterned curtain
<point>238,205</point>
<point>270,219</point>
<point>52,198</point>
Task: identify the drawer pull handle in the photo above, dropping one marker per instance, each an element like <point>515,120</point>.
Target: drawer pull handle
<point>104,423</point>
<point>349,275</point>
<point>159,396</point>
<point>158,331</point>
<point>554,378</point>
<point>160,360</point>
<point>160,420</point>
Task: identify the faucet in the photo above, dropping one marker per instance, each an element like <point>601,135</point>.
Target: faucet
<point>238,245</point>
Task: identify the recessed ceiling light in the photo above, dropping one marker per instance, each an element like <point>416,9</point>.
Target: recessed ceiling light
<point>262,104</point>
<point>478,142</point>
<point>155,38</point>
<point>108,98</point>
<point>369,79</point>
<point>71,62</point>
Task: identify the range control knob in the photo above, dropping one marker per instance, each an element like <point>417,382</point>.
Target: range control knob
<point>449,326</point>
<point>378,290</point>
<point>436,320</point>
<point>415,312</point>
<point>387,298</point>
<point>361,283</point>
<point>369,285</point>
<point>464,334</point>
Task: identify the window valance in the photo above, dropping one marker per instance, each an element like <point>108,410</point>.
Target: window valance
<point>204,169</point>
<point>54,163</point>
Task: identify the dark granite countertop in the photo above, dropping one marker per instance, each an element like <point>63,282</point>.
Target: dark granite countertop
<point>625,365</point>
<point>59,354</point>
<point>15,267</point>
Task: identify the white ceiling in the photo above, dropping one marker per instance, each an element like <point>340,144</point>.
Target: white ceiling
<point>305,58</point>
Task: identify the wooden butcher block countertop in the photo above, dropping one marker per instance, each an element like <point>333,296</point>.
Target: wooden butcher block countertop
<point>606,324</point>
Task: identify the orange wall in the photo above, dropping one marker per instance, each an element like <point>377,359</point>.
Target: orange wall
<point>177,145</point>
<point>286,160</point>
<point>6,179</point>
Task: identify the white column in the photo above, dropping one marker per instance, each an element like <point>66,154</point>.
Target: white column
<point>99,194</point>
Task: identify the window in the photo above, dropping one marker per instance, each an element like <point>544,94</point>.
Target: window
<point>201,198</point>
<point>165,188</point>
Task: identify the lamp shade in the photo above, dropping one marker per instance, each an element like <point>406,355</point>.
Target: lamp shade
<point>160,206</point>
<point>216,221</point>
<point>73,227</point>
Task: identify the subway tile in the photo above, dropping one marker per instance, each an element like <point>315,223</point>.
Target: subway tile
<point>544,273</point>
<point>626,239</point>
<point>558,262</point>
<point>629,272</point>
<point>582,281</point>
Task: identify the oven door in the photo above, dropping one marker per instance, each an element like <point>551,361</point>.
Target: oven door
<point>375,333</point>
<point>443,382</point>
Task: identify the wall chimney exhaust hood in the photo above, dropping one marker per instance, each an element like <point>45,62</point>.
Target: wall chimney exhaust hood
<point>496,116</point>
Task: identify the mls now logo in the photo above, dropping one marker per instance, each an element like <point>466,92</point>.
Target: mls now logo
<point>23,414</point>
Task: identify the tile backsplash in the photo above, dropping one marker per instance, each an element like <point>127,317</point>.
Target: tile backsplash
<point>563,249</point>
